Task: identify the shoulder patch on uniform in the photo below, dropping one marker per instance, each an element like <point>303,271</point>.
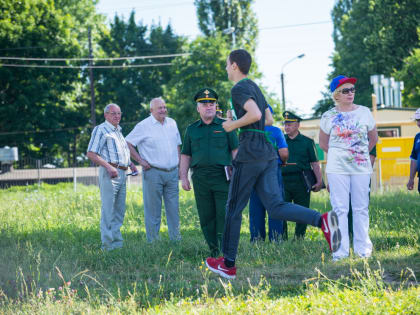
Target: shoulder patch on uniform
<point>194,123</point>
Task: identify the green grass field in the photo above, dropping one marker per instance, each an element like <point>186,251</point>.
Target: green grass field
<point>51,262</point>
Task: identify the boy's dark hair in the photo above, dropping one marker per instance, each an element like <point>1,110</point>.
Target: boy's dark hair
<point>242,58</point>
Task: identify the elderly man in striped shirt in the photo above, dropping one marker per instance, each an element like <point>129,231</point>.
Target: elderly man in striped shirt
<point>108,149</point>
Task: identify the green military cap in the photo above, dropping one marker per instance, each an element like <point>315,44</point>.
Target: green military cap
<point>290,117</point>
<point>206,95</point>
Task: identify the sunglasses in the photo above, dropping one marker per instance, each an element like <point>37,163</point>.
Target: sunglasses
<point>348,90</point>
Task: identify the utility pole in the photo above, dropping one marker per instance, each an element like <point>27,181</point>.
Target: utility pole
<point>282,79</point>
<point>92,89</point>
<point>283,103</point>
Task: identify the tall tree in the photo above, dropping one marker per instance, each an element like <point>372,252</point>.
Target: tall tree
<point>410,75</point>
<point>372,37</point>
<point>204,67</point>
<point>131,88</point>
<point>323,105</point>
<point>219,15</point>
<point>36,99</point>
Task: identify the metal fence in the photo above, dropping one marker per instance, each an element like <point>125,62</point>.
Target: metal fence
<point>36,171</point>
<point>387,173</point>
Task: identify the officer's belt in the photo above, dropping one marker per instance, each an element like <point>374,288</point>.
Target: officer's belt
<point>291,174</point>
<point>164,169</point>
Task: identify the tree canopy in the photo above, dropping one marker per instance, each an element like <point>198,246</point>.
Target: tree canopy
<point>39,99</point>
<point>372,37</point>
<point>410,75</point>
<point>131,88</point>
<point>204,67</point>
<point>219,15</point>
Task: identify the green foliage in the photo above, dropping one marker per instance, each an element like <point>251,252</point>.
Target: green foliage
<point>204,67</point>
<point>34,99</point>
<point>51,262</point>
<point>217,15</point>
<point>133,88</point>
<point>323,105</point>
<point>410,75</point>
<point>372,37</point>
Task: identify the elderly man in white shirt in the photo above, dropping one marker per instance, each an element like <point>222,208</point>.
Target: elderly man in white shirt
<point>158,142</point>
<point>108,149</point>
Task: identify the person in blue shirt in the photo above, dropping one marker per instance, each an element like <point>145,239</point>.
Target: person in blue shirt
<point>415,157</point>
<point>257,211</point>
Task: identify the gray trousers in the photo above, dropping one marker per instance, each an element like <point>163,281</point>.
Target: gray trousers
<point>113,192</point>
<point>158,184</point>
<point>263,177</point>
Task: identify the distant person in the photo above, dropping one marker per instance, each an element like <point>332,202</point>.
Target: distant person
<point>208,150</point>
<point>219,112</point>
<point>302,152</point>
<point>348,133</point>
<point>415,157</point>
<point>158,142</point>
<point>255,166</point>
<point>108,149</point>
<point>257,211</point>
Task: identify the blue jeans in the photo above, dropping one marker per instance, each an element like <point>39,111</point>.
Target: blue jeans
<point>257,214</point>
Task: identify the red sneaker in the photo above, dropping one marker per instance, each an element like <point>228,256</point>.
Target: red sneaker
<point>217,265</point>
<point>331,230</point>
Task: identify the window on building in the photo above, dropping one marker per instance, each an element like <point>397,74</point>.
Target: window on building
<point>387,132</point>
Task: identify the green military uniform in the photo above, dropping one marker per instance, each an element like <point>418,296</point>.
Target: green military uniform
<point>210,147</point>
<point>302,152</point>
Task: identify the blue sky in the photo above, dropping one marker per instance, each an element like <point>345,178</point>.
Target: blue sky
<point>278,42</point>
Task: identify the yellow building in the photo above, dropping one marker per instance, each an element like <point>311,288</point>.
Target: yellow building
<point>390,122</point>
<point>396,129</point>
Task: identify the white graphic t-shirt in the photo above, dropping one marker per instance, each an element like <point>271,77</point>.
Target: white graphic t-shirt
<point>348,151</point>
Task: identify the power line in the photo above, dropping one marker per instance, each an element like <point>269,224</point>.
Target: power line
<point>84,67</point>
<point>293,25</point>
<point>95,59</point>
<point>37,131</point>
<point>25,48</point>
<point>19,132</point>
<point>149,7</point>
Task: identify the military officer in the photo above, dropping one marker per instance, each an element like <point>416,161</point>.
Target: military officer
<point>302,152</point>
<point>208,150</point>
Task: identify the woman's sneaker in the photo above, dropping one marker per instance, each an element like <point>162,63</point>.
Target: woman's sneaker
<point>331,230</point>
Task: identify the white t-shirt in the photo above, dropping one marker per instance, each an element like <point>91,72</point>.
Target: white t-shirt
<point>157,143</point>
<point>348,151</point>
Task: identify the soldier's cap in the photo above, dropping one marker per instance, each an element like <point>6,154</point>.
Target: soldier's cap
<point>290,117</point>
<point>206,95</point>
<point>340,80</point>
